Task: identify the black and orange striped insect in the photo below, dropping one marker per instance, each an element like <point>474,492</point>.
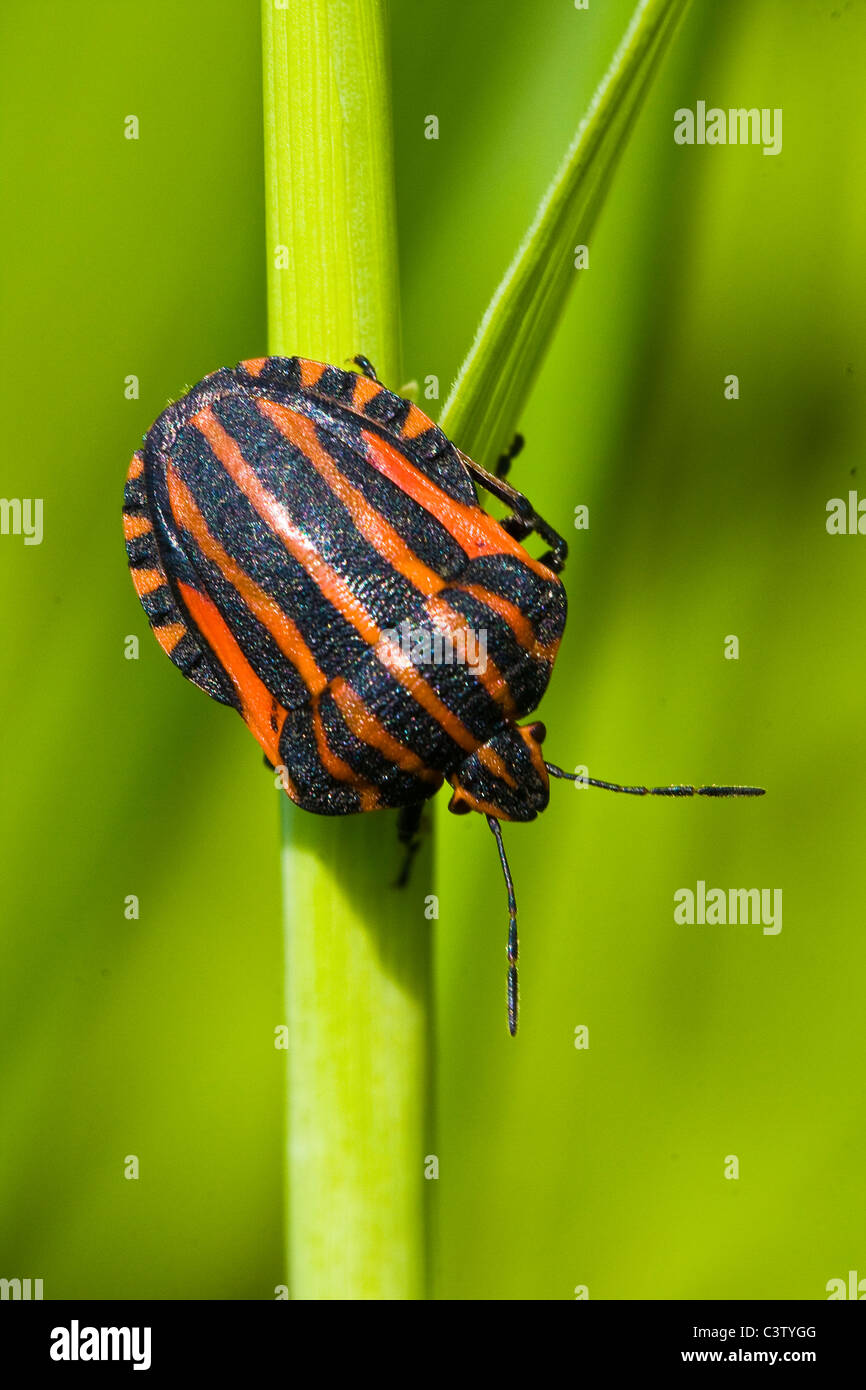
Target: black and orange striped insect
<point>309,549</point>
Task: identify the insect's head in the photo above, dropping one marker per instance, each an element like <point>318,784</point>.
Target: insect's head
<point>506,777</point>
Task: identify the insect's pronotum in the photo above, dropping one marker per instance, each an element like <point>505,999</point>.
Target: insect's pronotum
<point>285,520</point>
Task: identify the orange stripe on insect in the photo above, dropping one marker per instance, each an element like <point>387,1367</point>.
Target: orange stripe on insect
<point>258,706</point>
<point>260,603</point>
<point>416,423</point>
<point>147,581</point>
<point>332,585</point>
<point>393,659</point>
<point>466,644</point>
<point>364,391</point>
<point>135,526</point>
<point>169,635</point>
<point>136,467</point>
<point>517,621</point>
<point>473,530</point>
<point>311,372</point>
<point>361,722</point>
<point>495,764</point>
<point>253,366</point>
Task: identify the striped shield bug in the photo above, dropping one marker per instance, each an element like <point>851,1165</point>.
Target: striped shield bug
<point>308,548</point>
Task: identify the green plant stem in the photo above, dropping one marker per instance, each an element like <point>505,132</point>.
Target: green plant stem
<point>357,950</point>
<point>483,407</point>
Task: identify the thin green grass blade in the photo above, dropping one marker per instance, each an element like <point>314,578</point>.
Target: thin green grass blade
<point>484,405</point>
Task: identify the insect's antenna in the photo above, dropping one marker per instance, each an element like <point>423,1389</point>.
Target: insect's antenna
<point>511,949</point>
<point>676,790</point>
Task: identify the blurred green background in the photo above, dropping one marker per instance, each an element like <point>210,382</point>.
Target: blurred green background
<point>558,1167</point>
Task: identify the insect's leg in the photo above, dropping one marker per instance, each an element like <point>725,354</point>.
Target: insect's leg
<point>366,367</point>
<point>408,827</point>
<point>504,462</point>
<point>514,525</point>
<point>525,519</point>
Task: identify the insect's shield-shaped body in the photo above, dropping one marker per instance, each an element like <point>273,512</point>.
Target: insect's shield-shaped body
<point>298,534</point>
